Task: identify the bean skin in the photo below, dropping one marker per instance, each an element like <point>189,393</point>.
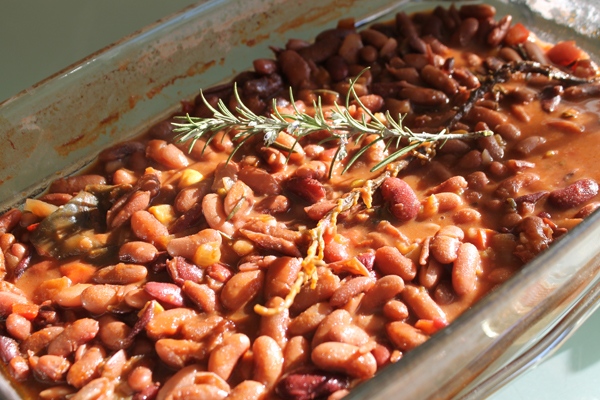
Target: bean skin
<point>424,96</point>
<point>202,295</point>
<point>98,298</point>
<point>50,367</point>
<point>327,284</point>
<point>342,357</point>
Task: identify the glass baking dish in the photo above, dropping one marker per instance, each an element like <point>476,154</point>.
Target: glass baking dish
<point>58,127</point>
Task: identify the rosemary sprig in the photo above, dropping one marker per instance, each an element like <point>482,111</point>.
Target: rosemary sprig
<point>340,125</point>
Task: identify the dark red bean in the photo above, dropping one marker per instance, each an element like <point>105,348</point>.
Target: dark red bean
<point>165,292</point>
<point>306,385</point>
<point>466,31</point>
<point>337,68</point>
<point>294,67</point>
<point>404,203</point>
<point>308,189</point>
<point>321,50</point>
<point>264,66</point>
<point>574,195</point>
<point>498,34</point>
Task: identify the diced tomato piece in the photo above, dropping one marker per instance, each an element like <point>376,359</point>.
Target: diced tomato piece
<point>565,53</point>
<point>516,34</point>
<point>29,311</point>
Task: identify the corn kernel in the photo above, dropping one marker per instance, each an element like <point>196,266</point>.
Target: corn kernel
<point>243,247</point>
<point>207,254</point>
<point>164,213</point>
<point>189,177</point>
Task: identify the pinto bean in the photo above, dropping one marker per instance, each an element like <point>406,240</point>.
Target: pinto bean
<point>49,367</point>
<point>260,180</point>
<point>18,326</point>
<point>98,298</point>
<point>224,358</point>
<point>276,326</point>
<point>574,195</point>
<point>177,353</point>
<point>448,201</point>
<point>404,203</point>
<point>390,261</point>
<point>309,319</point>
<point>464,270</point>
<point>86,368</point>
<point>114,334</point>
<point>346,358</point>
<point>120,274</point>
<point>383,290</point>
<point>404,336</point>
<point>74,335</point>
<point>242,288</point>
<point>165,292</point>
<point>213,211</point>
<point>38,340</point>
<point>74,184</point>
<point>168,323</point>
<point>138,252</point>
<point>146,227</point>
<point>445,244</point>
<point>9,349</point>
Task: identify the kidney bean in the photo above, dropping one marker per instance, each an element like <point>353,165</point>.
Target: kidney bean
<point>294,67</point>
<point>260,180</point>
<point>242,288</point>
<point>346,358</point>
<point>350,289</point>
<point>177,353</point>
<point>368,54</point>
<point>383,290</point>
<point>404,203</point>
<point>321,50</point>
<point>49,367</point>
<point>280,277</point>
<point>74,184</point>
<point>114,334</point>
<point>273,205</point>
<point>510,187</point>
<point>439,80</point>
<point>395,310</point>
<point>262,87</point>
<point>445,244</point>
<point>348,333</point>
<point>466,31</point>
<point>296,354</point>
<point>38,340</point>
<point>390,261</point>
<point>190,196</point>
<point>86,368</point>
<point>582,91</point>
<point>247,390</point>
<point>585,211</point>
<point>337,317</point>
<point>310,384</point>
<point>405,26</point>
<point>535,53</point>
<point>18,326</point>
<point>568,127</point>
<point>140,378</point>
<point>202,295</point>
<point>268,361</point>
<point>497,35</point>
<point>187,246</point>
<point>447,201</point>
<point>120,274</point>
<point>479,11</point>
<point>168,323</point>
<point>224,358</point>
<point>404,336</point>
<point>327,284</point>
<point>9,220</point>
<point>137,252</point>
<point>464,270</point>
<point>146,227</point>
<point>308,189</point>
<point>166,293</point>
<point>490,117</point>
<point>421,303</point>
<point>388,50</point>
<point>276,326</point>
<point>238,191</point>
<point>59,392</point>
<point>215,215</point>
<point>309,319</point>
<point>573,195</point>
<point>508,54</point>
<point>424,96</point>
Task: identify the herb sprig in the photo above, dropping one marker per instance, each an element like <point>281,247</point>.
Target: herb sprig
<point>341,125</point>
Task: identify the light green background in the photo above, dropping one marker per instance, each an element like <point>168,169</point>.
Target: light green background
<point>39,38</point>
